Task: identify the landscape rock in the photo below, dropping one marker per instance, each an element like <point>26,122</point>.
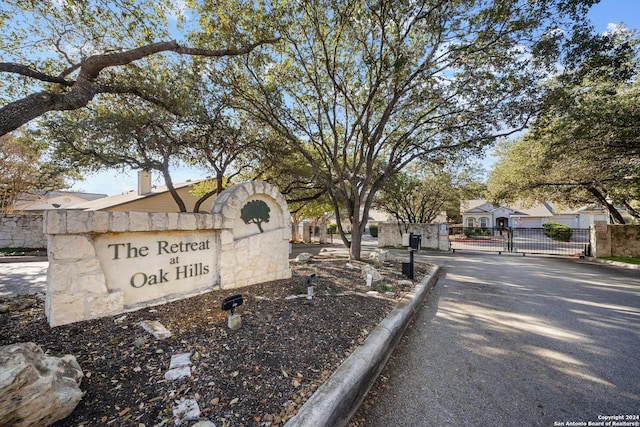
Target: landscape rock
<point>186,410</point>
<point>156,329</point>
<point>179,367</point>
<point>180,360</point>
<point>375,275</point>
<point>177,373</point>
<point>36,390</point>
<point>303,257</point>
<point>380,255</point>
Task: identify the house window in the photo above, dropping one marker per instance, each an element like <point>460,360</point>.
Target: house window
<point>484,222</point>
<point>469,222</point>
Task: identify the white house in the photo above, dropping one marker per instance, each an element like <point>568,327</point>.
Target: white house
<point>480,213</point>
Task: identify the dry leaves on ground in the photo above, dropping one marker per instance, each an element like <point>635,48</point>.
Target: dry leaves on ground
<point>258,375</point>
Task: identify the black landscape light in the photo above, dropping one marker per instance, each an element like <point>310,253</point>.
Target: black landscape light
<point>230,303</point>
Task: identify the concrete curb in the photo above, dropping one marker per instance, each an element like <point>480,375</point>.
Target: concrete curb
<point>616,263</point>
<point>338,398</point>
<point>29,258</point>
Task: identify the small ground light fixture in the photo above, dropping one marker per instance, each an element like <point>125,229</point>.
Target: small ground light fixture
<point>230,304</point>
<point>310,281</point>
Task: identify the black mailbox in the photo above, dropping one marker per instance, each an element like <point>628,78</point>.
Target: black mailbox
<point>414,241</point>
<point>230,303</point>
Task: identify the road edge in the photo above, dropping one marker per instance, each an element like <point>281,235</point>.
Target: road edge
<point>615,263</point>
<point>338,398</point>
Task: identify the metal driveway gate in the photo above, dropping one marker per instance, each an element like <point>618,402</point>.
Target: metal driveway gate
<point>519,240</point>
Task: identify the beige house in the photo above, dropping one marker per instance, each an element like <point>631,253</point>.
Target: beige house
<point>50,200</point>
<point>149,198</point>
<point>24,227</point>
<point>479,213</point>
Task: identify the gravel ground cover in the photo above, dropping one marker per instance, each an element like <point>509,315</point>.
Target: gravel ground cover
<point>258,375</point>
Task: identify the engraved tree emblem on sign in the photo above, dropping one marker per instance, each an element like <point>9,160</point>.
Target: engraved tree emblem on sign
<point>255,212</point>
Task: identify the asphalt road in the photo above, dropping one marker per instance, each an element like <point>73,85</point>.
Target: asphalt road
<point>516,341</point>
<point>17,278</point>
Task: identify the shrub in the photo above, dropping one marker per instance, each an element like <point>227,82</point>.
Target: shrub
<point>556,231</point>
<point>475,231</point>
<point>373,230</point>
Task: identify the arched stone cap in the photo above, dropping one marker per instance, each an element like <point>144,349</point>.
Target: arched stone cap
<point>228,206</point>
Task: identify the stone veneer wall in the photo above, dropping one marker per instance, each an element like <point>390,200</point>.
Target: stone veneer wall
<point>22,231</point>
<point>248,256</point>
<point>104,263</point>
<point>434,236</point>
<point>615,240</point>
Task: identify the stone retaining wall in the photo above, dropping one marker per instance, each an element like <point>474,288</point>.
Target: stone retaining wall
<point>22,231</point>
<point>104,263</point>
<point>609,240</point>
<point>434,236</point>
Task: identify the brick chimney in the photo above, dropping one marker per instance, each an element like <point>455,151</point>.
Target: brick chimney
<point>144,182</point>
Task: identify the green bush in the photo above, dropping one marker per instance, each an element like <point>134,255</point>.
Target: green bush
<point>476,232</point>
<point>373,230</point>
<point>556,231</point>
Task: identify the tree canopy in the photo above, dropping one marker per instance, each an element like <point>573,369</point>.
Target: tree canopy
<point>59,55</point>
<point>362,89</point>
<point>191,127</point>
<point>420,194</point>
<point>359,89</point>
<point>25,172</point>
<point>584,148</point>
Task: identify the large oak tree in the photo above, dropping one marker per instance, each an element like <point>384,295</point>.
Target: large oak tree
<point>364,88</point>
<point>421,194</point>
<point>191,126</point>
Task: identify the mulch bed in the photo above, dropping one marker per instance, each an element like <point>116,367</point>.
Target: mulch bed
<point>258,375</point>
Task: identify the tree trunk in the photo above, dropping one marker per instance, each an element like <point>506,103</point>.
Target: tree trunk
<point>616,217</point>
<point>173,192</point>
<point>17,113</point>
<point>295,225</point>
<point>219,182</point>
<point>356,241</point>
<point>633,212</point>
<point>201,200</point>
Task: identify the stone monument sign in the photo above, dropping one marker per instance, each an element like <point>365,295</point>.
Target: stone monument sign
<point>104,263</point>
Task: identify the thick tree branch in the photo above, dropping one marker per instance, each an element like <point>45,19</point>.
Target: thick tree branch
<point>23,70</point>
<point>85,87</point>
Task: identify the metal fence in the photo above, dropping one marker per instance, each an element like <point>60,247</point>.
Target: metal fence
<point>520,240</point>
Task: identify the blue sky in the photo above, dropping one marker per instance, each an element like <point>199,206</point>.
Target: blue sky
<point>615,12</point>
<point>602,15</point>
